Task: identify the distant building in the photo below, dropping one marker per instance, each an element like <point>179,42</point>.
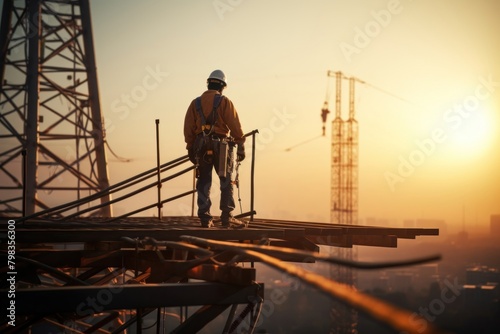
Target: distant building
<point>481,289</point>
<point>480,298</point>
<point>481,275</point>
<point>495,225</point>
<point>425,275</point>
<point>400,280</point>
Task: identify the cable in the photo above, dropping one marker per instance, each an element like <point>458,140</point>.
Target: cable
<point>121,159</point>
<point>397,318</point>
<point>307,254</point>
<point>237,184</point>
<point>302,143</point>
<point>391,94</point>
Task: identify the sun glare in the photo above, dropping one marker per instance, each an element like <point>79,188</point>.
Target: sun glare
<point>473,135</point>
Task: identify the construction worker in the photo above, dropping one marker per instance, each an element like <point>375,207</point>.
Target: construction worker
<point>211,129</point>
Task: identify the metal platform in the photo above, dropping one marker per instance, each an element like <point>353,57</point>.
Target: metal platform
<point>131,267</point>
<point>171,228</point>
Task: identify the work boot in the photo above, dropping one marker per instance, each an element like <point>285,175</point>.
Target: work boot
<point>232,221</point>
<point>207,224</point>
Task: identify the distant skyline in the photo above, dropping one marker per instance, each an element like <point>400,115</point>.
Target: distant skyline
<point>428,113</point>
<point>437,63</point>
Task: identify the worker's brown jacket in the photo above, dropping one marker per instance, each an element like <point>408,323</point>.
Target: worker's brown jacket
<point>228,123</point>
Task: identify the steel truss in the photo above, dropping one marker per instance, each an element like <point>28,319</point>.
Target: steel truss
<point>112,291</point>
<point>344,195</point>
<point>52,131</point>
<point>112,283</point>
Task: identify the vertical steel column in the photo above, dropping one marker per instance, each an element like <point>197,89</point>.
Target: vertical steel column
<point>4,30</point>
<point>23,154</point>
<point>194,192</point>
<point>97,123</point>
<point>252,176</point>
<point>352,156</point>
<point>343,198</point>
<point>158,177</point>
<point>337,203</point>
<point>33,86</point>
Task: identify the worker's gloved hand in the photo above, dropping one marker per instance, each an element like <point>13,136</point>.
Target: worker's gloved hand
<point>240,153</point>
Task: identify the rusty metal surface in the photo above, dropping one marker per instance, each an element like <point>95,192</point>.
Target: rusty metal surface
<point>149,260</point>
<point>171,228</point>
<point>45,301</point>
<point>397,318</point>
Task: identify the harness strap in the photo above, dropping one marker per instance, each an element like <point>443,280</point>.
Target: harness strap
<point>213,115</point>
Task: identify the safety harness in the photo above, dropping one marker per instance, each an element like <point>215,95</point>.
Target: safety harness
<point>204,144</point>
<point>204,141</point>
<point>208,128</point>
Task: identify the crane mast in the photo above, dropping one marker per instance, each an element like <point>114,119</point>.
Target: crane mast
<point>344,194</point>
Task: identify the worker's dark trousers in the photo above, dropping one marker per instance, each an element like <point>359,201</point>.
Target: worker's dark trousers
<point>204,184</point>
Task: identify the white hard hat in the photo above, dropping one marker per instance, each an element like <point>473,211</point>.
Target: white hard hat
<point>218,75</point>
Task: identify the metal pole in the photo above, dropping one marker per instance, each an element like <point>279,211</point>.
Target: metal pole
<point>158,320</point>
<point>31,127</point>
<point>194,188</point>
<point>139,321</point>
<point>95,106</point>
<point>157,121</point>
<point>23,153</point>
<point>252,176</point>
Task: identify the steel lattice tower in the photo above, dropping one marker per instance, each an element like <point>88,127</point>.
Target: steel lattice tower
<point>52,136</point>
<point>344,197</point>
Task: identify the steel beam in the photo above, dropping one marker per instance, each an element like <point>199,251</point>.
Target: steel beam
<point>87,300</point>
<point>41,235</point>
<point>33,87</point>
<point>223,274</point>
<point>95,107</point>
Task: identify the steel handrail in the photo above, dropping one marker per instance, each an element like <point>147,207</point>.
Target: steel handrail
<point>134,180</point>
<point>111,189</point>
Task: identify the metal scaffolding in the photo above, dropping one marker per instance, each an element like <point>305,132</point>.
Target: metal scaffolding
<point>344,194</point>
<point>127,272</point>
<point>52,130</point>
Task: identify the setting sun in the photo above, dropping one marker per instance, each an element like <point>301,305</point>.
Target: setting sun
<point>473,135</point>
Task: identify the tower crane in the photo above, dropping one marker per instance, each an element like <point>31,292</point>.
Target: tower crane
<point>344,190</point>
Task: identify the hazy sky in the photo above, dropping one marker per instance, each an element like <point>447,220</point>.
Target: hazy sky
<point>428,113</point>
